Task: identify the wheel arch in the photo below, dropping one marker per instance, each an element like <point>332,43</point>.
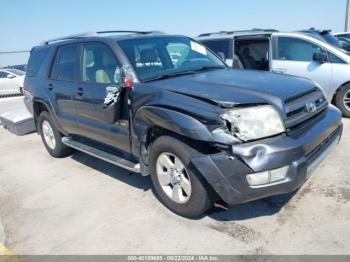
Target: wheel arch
<point>338,90</point>
<point>152,118</point>
<point>39,106</point>
<point>151,122</point>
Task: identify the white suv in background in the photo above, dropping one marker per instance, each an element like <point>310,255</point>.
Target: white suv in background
<point>11,81</point>
<point>287,53</point>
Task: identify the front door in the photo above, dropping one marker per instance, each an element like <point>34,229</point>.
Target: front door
<point>294,56</point>
<point>98,119</point>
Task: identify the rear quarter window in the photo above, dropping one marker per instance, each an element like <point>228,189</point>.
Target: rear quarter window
<point>217,46</point>
<point>335,59</point>
<point>35,62</point>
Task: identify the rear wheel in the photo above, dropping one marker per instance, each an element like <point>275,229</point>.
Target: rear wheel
<point>342,100</point>
<point>180,187</point>
<point>51,137</point>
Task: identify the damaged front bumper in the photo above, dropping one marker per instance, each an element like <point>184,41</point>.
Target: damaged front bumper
<point>300,151</point>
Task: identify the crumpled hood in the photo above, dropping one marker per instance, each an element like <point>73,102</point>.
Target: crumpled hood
<point>233,86</point>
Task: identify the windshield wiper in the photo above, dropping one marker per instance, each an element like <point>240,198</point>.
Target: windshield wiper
<point>164,76</point>
<point>189,72</point>
<point>203,68</point>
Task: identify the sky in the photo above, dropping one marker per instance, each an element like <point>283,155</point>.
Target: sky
<point>26,23</point>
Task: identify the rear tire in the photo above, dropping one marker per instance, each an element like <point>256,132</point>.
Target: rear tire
<point>51,137</point>
<point>342,100</point>
<point>193,196</point>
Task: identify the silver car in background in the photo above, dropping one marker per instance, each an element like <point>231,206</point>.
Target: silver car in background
<point>11,81</point>
<point>293,53</point>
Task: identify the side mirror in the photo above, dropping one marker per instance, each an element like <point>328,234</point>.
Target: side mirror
<point>320,57</point>
<point>221,55</point>
<point>123,77</point>
<point>10,76</point>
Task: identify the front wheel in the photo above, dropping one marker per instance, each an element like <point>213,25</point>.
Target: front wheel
<point>342,100</point>
<point>180,187</point>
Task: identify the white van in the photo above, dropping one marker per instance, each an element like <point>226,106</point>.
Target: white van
<point>287,53</point>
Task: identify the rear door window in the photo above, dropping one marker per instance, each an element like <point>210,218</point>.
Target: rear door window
<point>64,67</point>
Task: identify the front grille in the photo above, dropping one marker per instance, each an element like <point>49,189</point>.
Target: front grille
<point>311,156</point>
<point>304,107</point>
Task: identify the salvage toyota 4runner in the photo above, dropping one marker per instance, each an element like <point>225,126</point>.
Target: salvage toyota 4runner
<point>168,107</point>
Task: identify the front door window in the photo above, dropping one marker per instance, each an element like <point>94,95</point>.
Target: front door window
<point>294,49</point>
<point>98,64</point>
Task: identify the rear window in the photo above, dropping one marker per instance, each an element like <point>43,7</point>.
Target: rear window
<point>36,59</point>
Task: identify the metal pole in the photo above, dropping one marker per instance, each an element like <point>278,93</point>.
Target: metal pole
<point>347,15</point>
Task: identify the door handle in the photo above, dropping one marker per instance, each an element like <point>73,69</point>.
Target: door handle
<point>50,86</point>
<point>279,70</point>
<point>80,91</point>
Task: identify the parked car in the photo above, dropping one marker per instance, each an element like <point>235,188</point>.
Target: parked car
<point>295,53</point>
<point>18,67</point>
<point>166,106</point>
<point>343,38</point>
<point>325,35</point>
<point>11,81</point>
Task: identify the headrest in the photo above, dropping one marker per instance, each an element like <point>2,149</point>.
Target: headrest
<point>148,56</point>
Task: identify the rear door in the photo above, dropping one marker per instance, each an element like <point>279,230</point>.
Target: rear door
<point>97,120</point>
<point>62,85</point>
<point>294,56</point>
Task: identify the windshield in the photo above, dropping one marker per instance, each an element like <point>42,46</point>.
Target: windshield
<point>155,57</point>
<point>331,39</point>
<point>15,71</point>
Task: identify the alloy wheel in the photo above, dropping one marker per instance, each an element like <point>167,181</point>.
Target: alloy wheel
<point>346,100</point>
<point>48,135</point>
<point>173,178</point>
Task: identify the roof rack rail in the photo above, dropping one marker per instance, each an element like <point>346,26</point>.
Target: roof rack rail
<point>265,30</point>
<point>87,34</point>
<point>215,33</point>
<point>237,31</point>
<point>127,31</point>
<point>75,36</point>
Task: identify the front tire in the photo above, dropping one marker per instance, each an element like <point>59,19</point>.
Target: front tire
<point>51,137</point>
<point>179,186</point>
<point>342,100</point>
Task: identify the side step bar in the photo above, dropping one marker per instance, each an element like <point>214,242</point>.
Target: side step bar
<point>115,160</point>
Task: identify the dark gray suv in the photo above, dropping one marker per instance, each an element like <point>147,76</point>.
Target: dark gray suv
<point>166,106</point>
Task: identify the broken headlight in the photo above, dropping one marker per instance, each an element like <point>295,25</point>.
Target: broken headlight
<point>255,122</point>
